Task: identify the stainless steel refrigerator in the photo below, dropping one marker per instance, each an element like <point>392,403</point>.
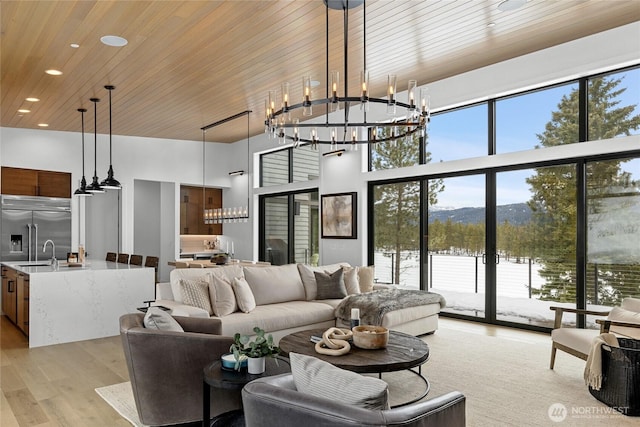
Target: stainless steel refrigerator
<point>28,222</point>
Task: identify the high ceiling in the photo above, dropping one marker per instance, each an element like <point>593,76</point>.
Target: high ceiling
<point>191,63</point>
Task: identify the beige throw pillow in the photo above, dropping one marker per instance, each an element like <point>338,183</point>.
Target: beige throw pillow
<point>157,318</point>
<point>321,379</point>
<point>223,299</point>
<point>351,280</point>
<point>196,293</point>
<point>365,278</point>
<point>244,296</point>
<point>330,285</point>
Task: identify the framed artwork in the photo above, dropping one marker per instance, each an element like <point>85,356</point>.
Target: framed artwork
<point>338,213</point>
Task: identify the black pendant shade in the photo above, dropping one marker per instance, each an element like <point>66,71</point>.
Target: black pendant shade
<point>82,191</point>
<point>95,185</point>
<point>110,183</point>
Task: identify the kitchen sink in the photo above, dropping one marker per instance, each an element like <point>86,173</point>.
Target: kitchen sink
<point>35,264</point>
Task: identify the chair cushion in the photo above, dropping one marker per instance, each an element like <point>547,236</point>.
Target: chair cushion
<point>632,304</point>
<point>244,296</point>
<point>330,285</point>
<point>622,315</point>
<point>196,293</point>
<point>575,338</point>
<point>321,379</point>
<point>223,299</point>
<point>156,318</point>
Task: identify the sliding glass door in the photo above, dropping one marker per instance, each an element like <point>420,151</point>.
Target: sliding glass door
<point>289,228</point>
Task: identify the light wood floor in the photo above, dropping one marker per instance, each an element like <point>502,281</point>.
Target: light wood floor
<point>55,385</point>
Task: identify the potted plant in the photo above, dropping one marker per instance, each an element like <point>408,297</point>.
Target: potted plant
<point>254,350</point>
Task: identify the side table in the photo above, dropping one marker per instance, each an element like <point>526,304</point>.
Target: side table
<point>234,381</point>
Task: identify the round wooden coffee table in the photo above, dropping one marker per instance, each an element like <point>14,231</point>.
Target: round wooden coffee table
<point>403,351</point>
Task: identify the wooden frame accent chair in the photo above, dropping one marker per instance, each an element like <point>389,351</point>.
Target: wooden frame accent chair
<point>623,321</point>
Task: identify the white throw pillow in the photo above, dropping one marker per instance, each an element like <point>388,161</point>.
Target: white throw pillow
<point>321,379</point>
<point>365,278</point>
<point>244,296</point>
<point>196,293</point>
<point>223,299</point>
<point>351,280</point>
<point>622,315</point>
<point>157,318</point>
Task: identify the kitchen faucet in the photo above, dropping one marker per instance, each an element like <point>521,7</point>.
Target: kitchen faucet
<point>54,261</point>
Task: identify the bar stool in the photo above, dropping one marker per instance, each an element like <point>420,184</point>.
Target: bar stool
<point>152,261</point>
<point>123,258</point>
<point>135,260</point>
<point>112,256</point>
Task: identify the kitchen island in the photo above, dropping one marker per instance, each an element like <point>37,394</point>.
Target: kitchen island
<point>74,303</point>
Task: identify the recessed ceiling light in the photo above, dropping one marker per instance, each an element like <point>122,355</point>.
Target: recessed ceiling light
<point>53,72</point>
<point>43,125</point>
<point>24,110</point>
<point>491,24</point>
<point>315,83</point>
<point>116,41</point>
<point>31,99</point>
<point>508,5</point>
<point>74,45</point>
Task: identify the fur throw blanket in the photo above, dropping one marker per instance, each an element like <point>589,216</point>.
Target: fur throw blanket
<point>374,305</point>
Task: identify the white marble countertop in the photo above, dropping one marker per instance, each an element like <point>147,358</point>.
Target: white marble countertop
<point>32,267</point>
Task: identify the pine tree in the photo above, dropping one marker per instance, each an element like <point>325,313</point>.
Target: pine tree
<point>553,188</point>
<point>397,206</point>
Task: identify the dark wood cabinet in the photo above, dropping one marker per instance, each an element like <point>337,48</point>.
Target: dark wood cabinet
<point>33,182</point>
<point>22,304</point>
<point>193,202</point>
<point>9,293</point>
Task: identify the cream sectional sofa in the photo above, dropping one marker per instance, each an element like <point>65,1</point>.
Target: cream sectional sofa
<point>284,301</point>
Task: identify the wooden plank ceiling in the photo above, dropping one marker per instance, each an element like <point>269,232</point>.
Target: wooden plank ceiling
<point>190,63</point>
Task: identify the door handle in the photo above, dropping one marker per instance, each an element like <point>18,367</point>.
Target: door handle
<point>497,259</point>
<point>29,242</point>
<point>9,287</point>
<point>35,226</point>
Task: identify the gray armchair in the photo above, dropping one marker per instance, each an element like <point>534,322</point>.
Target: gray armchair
<point>274,401</point>
<point>166,368</point>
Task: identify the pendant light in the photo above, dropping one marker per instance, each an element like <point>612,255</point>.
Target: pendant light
<point>82,191</point>
<point>95,185</point>
<point>110,183</point>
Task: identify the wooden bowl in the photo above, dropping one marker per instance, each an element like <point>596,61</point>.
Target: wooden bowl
<point>370,337</point>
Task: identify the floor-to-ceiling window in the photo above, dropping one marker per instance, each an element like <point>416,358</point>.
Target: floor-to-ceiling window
<point>506,241</point>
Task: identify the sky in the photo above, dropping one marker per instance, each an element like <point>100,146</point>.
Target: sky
<point>463,134</point>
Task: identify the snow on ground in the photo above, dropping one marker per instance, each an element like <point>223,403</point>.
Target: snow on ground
<point>456,278</point>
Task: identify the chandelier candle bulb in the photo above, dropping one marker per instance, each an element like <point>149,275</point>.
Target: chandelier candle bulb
<point>391,91</point>
<point>411,88</point>
<point>306,101</point>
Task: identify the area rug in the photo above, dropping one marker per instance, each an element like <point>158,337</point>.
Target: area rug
<point>120,397</point>
<point>506,380</point>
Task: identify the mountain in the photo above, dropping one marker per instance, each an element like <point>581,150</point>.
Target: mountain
<point>516,214</point>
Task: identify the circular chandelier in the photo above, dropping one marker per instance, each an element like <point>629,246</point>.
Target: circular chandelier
<point>280,125</point>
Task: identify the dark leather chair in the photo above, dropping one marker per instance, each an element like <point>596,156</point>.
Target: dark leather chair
<point>135,260</point>
<point>274,401</point>
<point>112,256</point>
<point>152,261</point>
<point>166,369</point>
<point>123,258</point>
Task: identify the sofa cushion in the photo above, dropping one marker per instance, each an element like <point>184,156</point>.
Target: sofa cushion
<point>351,280</point>
<point>244,296</point>
<point>622,315</point>
<point>156,318</point>
<point>278,317</point>
<point>321,379</point>
<point>229,271</point>
<point>223,299</point>
<point>366,277</point>
<point>196,293</point>
<point>275,284</point>
<point>185,273</point>
<point>330,285</point>
<point>309,280</point>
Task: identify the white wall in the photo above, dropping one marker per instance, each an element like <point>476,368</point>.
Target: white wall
<point>180,162</point>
